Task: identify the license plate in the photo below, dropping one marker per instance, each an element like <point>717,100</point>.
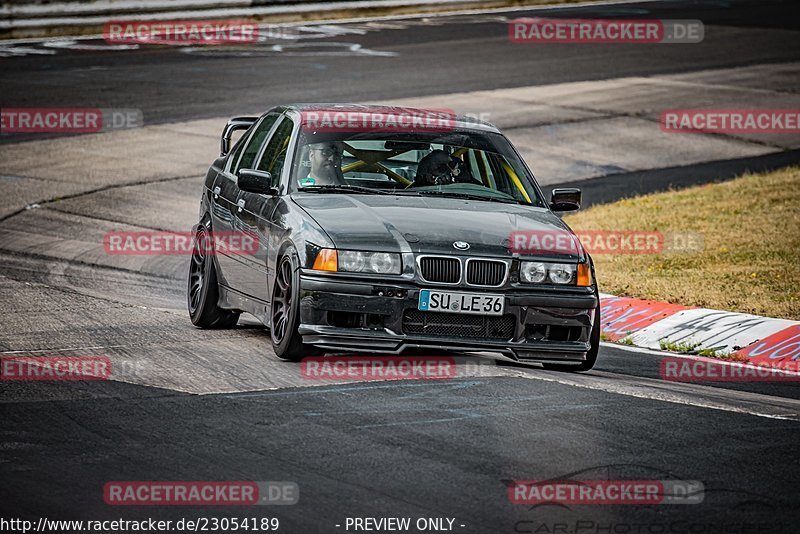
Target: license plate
<point>471,303</point>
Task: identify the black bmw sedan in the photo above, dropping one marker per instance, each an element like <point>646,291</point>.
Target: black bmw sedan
<point>384,229</point>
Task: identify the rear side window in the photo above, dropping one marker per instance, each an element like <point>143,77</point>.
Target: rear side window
<point>254,143</point>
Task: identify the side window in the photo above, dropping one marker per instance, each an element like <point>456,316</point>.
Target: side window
<point>237,149</point>
<point>275,153</point>
<point>254,143</point>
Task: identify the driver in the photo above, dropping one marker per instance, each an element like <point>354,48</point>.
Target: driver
<point>440,168</point>
<point>326,164</point>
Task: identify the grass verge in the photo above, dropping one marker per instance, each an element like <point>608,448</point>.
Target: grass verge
<point>750,260</point>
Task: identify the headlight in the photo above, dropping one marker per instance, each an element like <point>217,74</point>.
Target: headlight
<point>352,261</point>
<point>561,273</point>
<point>369,262</point>
<point>383,262</point>
<point>534,272</point>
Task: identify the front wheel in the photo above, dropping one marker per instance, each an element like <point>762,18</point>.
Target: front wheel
<point>591,356</point>
<point>285,310</point>
<point>203,290</point>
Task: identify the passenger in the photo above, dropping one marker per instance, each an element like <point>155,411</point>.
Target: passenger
<point>326,164</point>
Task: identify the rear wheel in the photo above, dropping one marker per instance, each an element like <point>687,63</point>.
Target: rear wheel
<point>591,356</point>
<point>285,310</point>
<point>203,290</point>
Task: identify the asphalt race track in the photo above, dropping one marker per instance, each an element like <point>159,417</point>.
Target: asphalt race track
<point>192,405</point>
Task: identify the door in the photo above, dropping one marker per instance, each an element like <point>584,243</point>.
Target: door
<point>225,211</point>
<point>258,210</point>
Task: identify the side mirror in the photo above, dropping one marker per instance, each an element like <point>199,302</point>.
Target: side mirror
<point>235,124</point>
<point>254,181</point>
<point>566,199</point>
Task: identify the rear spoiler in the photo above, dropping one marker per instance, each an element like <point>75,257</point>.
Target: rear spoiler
<point>236,123</point>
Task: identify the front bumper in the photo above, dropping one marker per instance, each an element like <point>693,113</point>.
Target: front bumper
<point>539,324</point>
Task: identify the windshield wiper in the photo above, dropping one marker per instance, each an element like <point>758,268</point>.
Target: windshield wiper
<point>468,196</point>
<point>330,188</point>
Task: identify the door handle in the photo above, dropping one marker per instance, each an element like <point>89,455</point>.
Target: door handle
<point>240,203</point>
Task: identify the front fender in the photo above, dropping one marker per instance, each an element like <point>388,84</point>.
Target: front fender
<point>293,227</point>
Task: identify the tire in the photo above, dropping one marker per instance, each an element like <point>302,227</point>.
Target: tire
<point>203,290</point>
<point>285,310</point>
<point>591,356</point>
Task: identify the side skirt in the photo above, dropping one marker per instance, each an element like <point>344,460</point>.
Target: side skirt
<point>230,299</point>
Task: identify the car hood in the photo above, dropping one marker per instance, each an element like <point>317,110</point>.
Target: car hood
<point>425,224</point>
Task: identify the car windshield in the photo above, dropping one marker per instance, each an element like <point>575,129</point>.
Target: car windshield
<point>460,164</point>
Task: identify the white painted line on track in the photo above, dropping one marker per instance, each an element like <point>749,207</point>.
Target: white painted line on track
<point>694,395</point>
<point>632,348</point>
<point>55,351</point>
